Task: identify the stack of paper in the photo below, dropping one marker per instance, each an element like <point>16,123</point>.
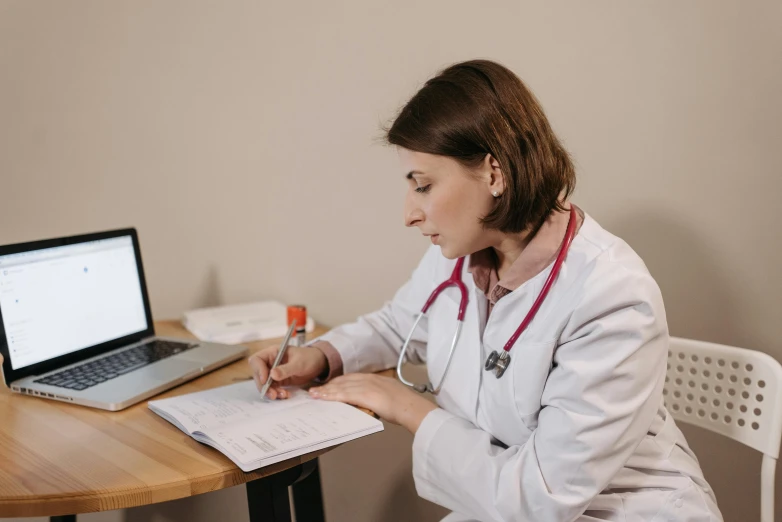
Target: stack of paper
<point>243,323</point>
<point>254,432</point>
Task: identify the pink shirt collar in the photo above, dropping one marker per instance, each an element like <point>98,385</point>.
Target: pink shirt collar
<point>539,253</point>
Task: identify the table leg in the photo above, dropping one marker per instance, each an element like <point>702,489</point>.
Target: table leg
<point>267,497</point>
<point>268,500</point>
<point>307,494</point>
<point>63,518</point>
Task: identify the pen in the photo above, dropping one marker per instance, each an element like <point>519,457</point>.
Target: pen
<point>280,353</point>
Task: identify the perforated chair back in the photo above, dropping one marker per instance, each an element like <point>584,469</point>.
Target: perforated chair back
<point>731,391</point>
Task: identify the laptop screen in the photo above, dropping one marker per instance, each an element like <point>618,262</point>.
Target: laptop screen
<point>56,301</point>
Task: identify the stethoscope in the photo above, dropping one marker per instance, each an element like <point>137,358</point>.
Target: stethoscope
<point>498,362</point>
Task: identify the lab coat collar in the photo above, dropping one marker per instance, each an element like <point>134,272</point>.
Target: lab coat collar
<point>539,253</point>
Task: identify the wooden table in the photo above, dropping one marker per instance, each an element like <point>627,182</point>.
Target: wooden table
<point>59,459</point>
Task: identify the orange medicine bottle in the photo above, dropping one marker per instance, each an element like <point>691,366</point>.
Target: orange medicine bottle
<point>299,313</point>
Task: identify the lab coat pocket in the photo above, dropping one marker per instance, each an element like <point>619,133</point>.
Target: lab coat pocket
<point>604,507</point>
<point>530,364</point>
<point>684,505</point>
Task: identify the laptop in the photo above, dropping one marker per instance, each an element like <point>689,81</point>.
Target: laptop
<point>76,326</point>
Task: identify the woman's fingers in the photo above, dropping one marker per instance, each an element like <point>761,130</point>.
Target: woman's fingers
<point>260,363</point>
<point>259,370</point>
<point>276,392</point>
<point>354,391</point>
<point>373,392</point>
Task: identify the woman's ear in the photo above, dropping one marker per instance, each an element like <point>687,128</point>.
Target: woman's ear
<point>495,177</point>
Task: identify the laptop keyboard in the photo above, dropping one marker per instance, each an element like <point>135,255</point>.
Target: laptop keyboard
<point>100,370</point>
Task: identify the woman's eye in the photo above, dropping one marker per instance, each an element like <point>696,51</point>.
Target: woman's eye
<point>424,189</point>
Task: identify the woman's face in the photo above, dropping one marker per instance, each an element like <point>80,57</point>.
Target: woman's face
<point>446,201</point>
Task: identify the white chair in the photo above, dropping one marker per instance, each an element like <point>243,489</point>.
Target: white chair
<point>731,391</point>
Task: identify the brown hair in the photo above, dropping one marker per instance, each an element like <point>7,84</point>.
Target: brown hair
<point>479,107</point>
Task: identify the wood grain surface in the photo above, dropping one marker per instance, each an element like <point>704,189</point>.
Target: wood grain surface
<point>58,458</point>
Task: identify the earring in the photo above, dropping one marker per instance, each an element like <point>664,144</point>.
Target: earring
<point>495,194</point>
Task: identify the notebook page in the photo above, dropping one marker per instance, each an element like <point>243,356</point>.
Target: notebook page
<point>251,466</point>
<point>224,405</point>
<point>292,431</point>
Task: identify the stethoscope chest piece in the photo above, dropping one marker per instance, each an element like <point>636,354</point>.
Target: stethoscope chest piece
<point>498,362</point>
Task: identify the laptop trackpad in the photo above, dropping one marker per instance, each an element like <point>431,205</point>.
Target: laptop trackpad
<point>170,369</point>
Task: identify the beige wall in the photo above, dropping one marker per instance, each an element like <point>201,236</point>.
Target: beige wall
<point>240,138</point>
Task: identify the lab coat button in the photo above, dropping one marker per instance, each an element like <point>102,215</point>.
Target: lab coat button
<point>679,503</point>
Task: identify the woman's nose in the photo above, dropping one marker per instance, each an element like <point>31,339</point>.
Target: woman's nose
<point>413,215</point>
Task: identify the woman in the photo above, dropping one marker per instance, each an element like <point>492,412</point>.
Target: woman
<point>575,428</point>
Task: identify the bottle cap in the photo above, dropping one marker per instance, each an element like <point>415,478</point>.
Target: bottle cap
<point>298,312</point>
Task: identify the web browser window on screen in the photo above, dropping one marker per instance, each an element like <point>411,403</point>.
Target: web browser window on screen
<point>59,300</point>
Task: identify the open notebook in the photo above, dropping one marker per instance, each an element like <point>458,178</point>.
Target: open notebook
<point>254,432</point>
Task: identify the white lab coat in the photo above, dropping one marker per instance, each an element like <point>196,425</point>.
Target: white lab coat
<point>576,429</point>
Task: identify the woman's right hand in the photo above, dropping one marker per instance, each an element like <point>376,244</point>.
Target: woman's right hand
<point>299,365</point>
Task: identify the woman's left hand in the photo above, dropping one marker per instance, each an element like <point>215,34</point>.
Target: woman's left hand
<point>386,396</point>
